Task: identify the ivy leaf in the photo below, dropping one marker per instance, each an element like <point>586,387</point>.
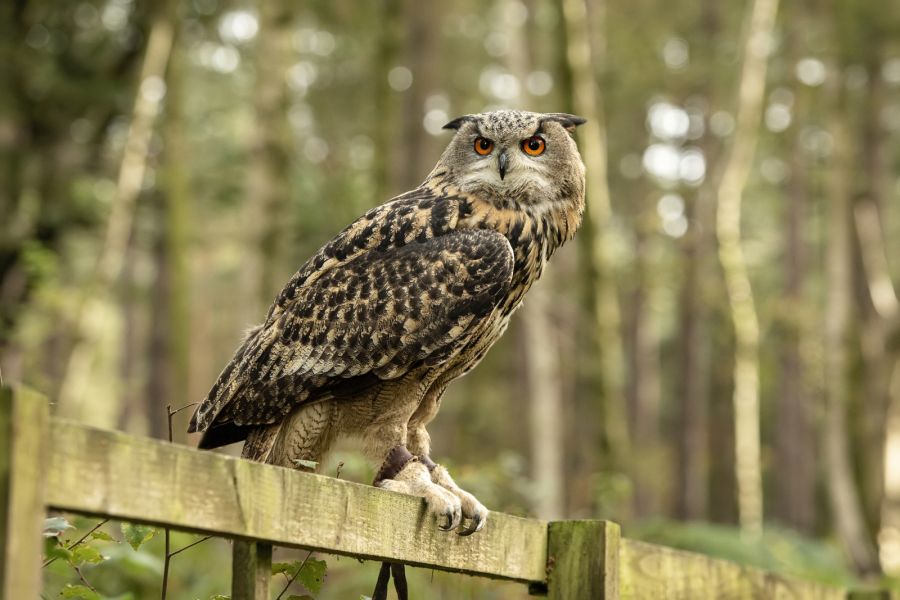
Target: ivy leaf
<point>307,464</point>
<point>102,535</point>
<point>53,526</point>
<point>85,554</point>
<point>136,535</point>
<point>53,549</point>
<point>312,575</point>
<point>79,591</point>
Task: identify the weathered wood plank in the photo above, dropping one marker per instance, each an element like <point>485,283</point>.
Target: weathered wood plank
<point>251,570</point>
<point>873,594</point>
<point>23,436</point>
<point>109,473</point>
<point>582,560</point>
<point>650,571</point>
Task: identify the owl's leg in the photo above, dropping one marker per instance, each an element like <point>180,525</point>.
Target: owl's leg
<point>472,510</point>
<point>304,437</point>
<point>403,472</point>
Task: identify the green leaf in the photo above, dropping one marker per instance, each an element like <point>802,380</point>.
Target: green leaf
<point>308,464</point>
<point>102,535</point>
<point>220,597</point>
<point>53,526</point>
<point>53,549</point>
<point>303,597</point>
<point>79,591</point>
<point>136,535</point>
<point>284,567</point>
<point>312,575</point>
<point>85,554</point>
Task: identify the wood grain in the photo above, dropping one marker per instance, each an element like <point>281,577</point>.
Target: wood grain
<point>108,473</point>
<point>23,429</point>
<point>582,560</point>
<point>251,570</point>
<point>650,571</point>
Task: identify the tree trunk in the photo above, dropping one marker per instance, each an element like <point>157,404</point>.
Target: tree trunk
<point>422,51</point>
<point>795,440</point>
<point>596,235</point>
<point>795,434</point>
<point>642,345</point>
<point>170,322</point>
<point>268,180</point>
<point>692,429</point>
<point>740,296</point>
<point>92,321</point>
<point>884,298</point>
<point>385,100</point>
<point>692,388</point>
<point>542,345</point>
<point>845,501</point>
<point>874,298</point>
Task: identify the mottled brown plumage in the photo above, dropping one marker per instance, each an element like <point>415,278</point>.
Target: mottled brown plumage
<point>366,336</point>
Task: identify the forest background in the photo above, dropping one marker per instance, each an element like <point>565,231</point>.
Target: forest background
<point>714,362</point>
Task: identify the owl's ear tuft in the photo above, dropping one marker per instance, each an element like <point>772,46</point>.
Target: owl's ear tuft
<point>458,122</point>
<point>570,122</point>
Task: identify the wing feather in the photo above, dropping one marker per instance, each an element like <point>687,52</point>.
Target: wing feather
<point>375,312</point>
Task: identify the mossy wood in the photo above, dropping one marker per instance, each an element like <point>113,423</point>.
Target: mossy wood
<point>251,570</point>
<point>651,571</point>
<point>56,464</point>
<point>23,421</point>
<point>582,560</point>
<point>112,474</point>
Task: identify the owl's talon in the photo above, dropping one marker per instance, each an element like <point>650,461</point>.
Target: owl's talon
<point>470,507</point>
<point>477,522</point>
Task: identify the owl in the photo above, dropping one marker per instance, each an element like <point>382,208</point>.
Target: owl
<point>369,332</point>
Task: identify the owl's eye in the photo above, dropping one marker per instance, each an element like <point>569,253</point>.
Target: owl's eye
<point>483,146</point>
<point>534,146</point>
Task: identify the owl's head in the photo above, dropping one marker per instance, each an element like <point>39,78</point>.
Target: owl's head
<point>515,157</point>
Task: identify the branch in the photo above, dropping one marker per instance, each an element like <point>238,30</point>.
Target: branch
<point>875,261</point>
<point>291,580</point>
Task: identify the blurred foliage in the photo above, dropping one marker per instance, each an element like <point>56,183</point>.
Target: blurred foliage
<point>368,87</point>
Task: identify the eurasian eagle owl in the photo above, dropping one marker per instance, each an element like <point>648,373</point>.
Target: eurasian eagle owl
<point>367,335</point>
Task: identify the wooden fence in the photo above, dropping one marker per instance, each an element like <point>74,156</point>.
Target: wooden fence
<point>54,464</point>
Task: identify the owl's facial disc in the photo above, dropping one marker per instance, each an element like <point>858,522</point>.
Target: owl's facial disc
<point>515,157</point>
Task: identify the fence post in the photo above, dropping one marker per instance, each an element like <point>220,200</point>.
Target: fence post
<point>583,560</point>
<point>23,443</point>
<point>251,570</point>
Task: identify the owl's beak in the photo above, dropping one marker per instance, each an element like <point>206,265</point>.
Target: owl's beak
<point>502,161</point>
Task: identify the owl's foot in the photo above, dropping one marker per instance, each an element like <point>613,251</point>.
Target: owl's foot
<point>472,510</point>
<point>414,479</point>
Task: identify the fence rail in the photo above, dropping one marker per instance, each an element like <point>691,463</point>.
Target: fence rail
<point>49,463</point>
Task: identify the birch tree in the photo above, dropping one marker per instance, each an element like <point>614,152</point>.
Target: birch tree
<point>597,234</point>
<point>95,318</point>
<point>730,191</point>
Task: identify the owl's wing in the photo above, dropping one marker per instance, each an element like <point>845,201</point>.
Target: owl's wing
<point>373,317</point>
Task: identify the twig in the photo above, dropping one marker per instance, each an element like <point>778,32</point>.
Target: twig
<point>79,541</point>
<point>291,580</point>
<point>171,413</point>
<point>165,581</point>
<point>189,546</point>
<point>83,580</point>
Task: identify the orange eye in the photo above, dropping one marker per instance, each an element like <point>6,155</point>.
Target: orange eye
<point>483,146</point>
<point>534,146</point>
